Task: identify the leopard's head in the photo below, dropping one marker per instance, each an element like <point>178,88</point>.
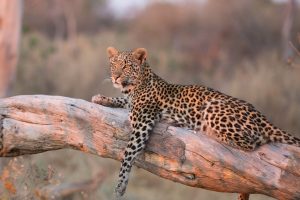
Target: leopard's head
<point>126,67</point>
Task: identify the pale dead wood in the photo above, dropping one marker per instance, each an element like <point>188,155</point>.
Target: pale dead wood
<point>10,28</point>
<point>34,124</point>
<point>286,30</point>
<point>62,190</point>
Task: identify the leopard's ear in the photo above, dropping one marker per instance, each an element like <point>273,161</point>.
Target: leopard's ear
<point>140,54</point>
<point>112,51</point>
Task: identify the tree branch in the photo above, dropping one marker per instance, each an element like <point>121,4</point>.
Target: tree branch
<point>35,124</point>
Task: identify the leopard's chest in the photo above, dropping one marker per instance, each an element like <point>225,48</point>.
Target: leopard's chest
<point>181,111</point>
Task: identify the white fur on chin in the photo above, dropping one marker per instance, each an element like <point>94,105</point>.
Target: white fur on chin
<point>116,85</point>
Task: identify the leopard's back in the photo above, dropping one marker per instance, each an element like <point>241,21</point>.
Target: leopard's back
<point>226,118</point>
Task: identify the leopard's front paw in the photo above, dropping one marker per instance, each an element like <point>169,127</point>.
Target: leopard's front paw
<point>120,190</point>
<point>102,100</point>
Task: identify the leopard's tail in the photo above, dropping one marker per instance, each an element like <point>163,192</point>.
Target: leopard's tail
<point>280,136</point>
<point>243,196</point>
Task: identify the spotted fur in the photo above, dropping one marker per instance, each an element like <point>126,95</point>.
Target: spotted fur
<point>243,196</point>
<point>151,99</point>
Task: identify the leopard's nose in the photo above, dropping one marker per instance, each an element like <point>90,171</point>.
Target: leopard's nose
<point>117,77</point>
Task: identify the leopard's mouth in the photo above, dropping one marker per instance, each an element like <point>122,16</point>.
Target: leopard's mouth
<point>117,85</point>
<point>123,84</point>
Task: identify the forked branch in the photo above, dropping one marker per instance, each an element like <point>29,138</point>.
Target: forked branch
<point>35,124</point>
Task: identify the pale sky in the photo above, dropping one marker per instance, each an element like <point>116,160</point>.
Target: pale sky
<point>121,7</point>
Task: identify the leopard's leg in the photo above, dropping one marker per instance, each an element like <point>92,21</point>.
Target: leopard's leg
<point>137,143</point>
<point>116,102</point>
<point>243,196</point>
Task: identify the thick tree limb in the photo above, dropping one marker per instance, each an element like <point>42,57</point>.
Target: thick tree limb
<point>34,124</point>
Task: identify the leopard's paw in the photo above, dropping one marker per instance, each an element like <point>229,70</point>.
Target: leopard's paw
<point>100,99</point>
<point>120,190</point>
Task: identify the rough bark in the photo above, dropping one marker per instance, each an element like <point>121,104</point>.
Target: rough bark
<point>10,28</point>
<point>34,124</point>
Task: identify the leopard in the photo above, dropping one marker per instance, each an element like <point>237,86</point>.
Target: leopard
<point>151,99</point>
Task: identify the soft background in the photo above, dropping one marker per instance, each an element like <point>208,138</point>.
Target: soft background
<point>234,46</point>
